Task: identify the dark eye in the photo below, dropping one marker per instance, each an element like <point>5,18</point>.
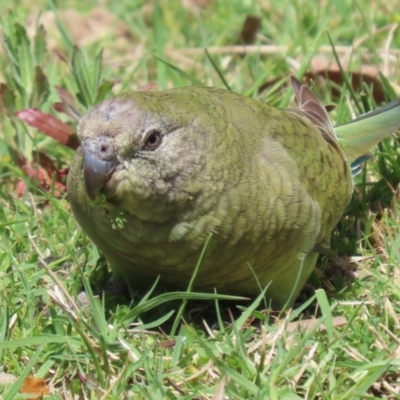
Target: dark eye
<point>153,140</point>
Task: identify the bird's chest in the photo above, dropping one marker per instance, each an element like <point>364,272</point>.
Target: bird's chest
<point>129,240</point>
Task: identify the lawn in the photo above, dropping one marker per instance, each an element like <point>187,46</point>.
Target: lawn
<point>60,338</point>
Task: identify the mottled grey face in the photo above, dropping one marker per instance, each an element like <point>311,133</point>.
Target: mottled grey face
<point>136,151</point>
<point>112,133</point>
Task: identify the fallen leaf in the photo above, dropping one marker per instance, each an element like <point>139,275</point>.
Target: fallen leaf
<point>43,171</point>
<point>249,30</point>
<point>307,324</point>
<point>320,77</point>
<point>166,344</point>
<point>50,125</point>
<point>219,393</point>
<point>357,80</point>
<point>7,379</point>
<point>34,385</point>
<point>197,3</point>
<point>149,87</point>
<point>84,30</point>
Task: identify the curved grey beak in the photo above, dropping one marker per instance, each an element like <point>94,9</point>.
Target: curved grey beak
<point>96,173</point>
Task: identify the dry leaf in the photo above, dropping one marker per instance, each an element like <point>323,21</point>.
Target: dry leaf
<point>307,324</point>
<point>7,379</point>
<point>34,385</point>
<point>197,3</point>
<point>83,29</point>
<point>166,344</point>
<point>357,80</point>
<point>250,28</point>
<point>44,172</point>
<point>149,87</point>
<point>50,125</point>
<point>219,393</point>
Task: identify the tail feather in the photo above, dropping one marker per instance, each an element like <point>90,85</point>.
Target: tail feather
<point>357,164</point>
<point>358,136</point>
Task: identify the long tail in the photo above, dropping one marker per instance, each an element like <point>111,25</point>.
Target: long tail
<point>358,136</point>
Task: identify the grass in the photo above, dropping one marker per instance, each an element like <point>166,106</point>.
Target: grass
<point>339,343</point>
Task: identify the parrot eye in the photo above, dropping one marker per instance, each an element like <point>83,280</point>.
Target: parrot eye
<point>153,140</point>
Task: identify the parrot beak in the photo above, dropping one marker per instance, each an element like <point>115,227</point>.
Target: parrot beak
<point>96,173</point>
<point>99,163</point>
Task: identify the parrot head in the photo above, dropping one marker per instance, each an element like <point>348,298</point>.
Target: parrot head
<point>133,153</point>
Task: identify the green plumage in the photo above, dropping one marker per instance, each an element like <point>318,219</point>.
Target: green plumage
<point>175,166</point>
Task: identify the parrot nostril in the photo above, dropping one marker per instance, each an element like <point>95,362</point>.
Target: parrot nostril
<point>102,147</point>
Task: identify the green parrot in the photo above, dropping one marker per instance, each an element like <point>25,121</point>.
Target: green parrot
<point>158,172</point>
